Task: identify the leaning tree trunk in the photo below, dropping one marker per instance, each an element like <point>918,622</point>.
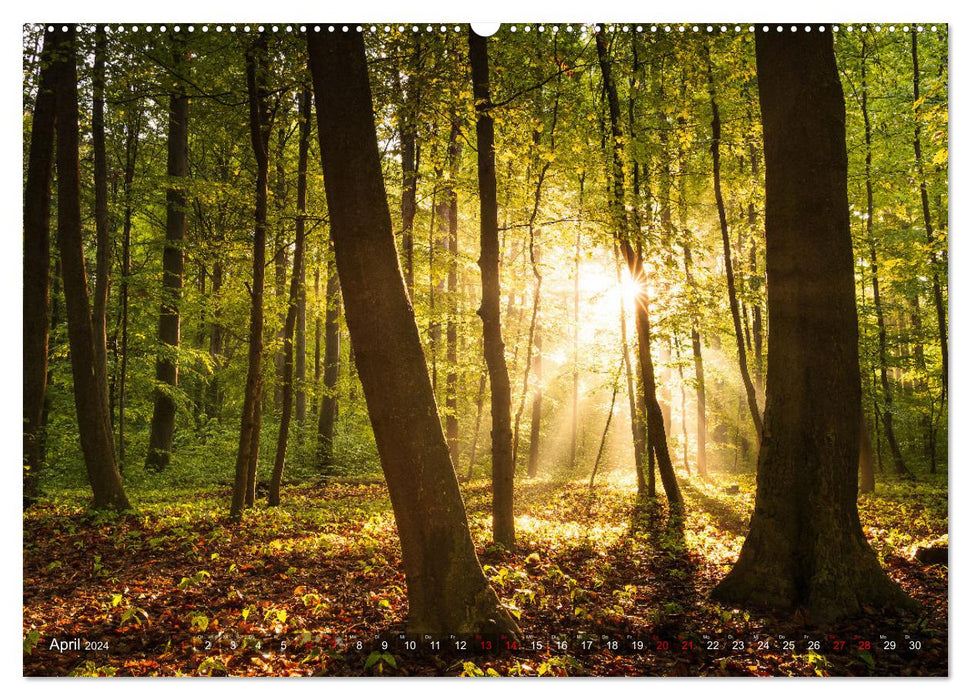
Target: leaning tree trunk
<point>247,455</point>
<point>95,436</point>
<point>289,325</point>
<point>37,274</point>
<point>753,404</point>
<point>447,590</point>
<point>805,546</point>
<point>503,524</point>
<point>173,260</point>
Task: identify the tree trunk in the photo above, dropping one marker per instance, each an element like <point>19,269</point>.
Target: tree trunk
<point>332,368</point>
<point>926,211</point>
<point>634,396</point>
<point>503,524</point>
<point>656,434</point>
<point>289,325</point>
<point>173,260</point>
<point>447,590</point>
<point>37,274</point>
<point>280,257</point>
<point>99,305</point>
<point>805,546</point>
<point>301,343</point>
<point>247,456</point>
<point>132,128</point>
<point>753,404</point>
<point>451,324</point>
<point>867,478</point>
<point>887,412</point>
<point>96,439</point>
<point>410,158</point>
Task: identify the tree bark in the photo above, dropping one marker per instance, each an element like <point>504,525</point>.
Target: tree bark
<point>503,524</point>
<point>289,325</point>
<point>805,547</point>
<point>37,274</point>
<point>753,404</point>
<point>247,456</point>
<point>447,590</point>
<point>410,157</point>
<point>173,261</point>
<point>95,436</point>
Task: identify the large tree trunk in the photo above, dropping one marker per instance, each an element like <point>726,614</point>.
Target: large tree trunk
<point>447,590</point>
<point>753,404</point>
<point>332,368</point>
<point>37,274</point>
<point>939,305</point>
<point>173,259</point>
<point>96,439</point>
<point>503,524</point>
<point>805,546</point>
<point>656,433</point>
<point>247,456</point>
<point>289,324</point>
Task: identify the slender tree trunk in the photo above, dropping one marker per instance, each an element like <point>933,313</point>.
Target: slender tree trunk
<point>503,524</point>
<point>99,304</point>
<point>289,325</point>
<point>132,128</point>
<point>37,274</point>
<point>280,257</point>
<point>247,456</point>
<point>939,305</point>
<point>867,478</point>
<point>216,340</point>
<point>480,395</point>
<point>95,436</point>
<point>332,368</point>
<point>575,402</point>
<point>318,325</point>
<point>410,160</point>
<point>657,436</point>
<point>451,324</point>
<point>887,412</point>
<point>447,590</point>
<point>603,436</point>
<point>635,397</point>
<point>805,547</point>
<point>173,261</point>
<point>753,404</point>
<point>301,344</point>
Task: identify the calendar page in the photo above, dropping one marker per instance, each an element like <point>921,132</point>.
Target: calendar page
<point>532,349</point>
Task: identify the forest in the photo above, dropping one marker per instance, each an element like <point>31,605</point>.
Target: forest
<point>599,350</point>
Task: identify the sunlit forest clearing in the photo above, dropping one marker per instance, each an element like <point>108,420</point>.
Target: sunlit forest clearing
<point>585,332</point>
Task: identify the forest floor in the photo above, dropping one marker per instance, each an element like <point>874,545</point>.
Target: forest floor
<point>601,585</point>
